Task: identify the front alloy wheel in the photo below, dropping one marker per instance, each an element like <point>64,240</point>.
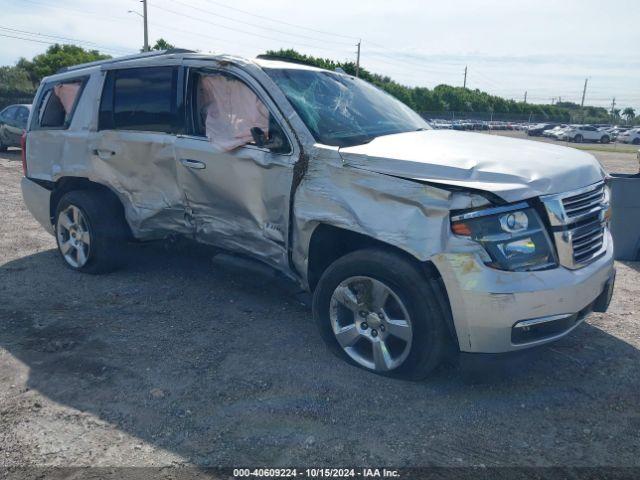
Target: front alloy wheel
<point>74,236</point>
<point>378,310</point>
<point>371,323</point>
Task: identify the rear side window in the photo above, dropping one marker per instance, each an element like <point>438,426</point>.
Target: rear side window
<point>58,103</point>
<point>143,99</point>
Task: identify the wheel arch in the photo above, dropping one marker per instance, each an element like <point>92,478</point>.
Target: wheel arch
<point>328,243</point>
<point>68,184</point>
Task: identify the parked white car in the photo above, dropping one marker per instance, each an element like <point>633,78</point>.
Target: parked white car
<point>630,136</point>
<point>581,133</point>
<point>553,132</point>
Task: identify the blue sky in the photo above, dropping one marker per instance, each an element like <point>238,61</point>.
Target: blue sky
<point>544,47</point>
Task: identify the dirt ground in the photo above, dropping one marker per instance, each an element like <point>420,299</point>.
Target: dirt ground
<point>181,359</point>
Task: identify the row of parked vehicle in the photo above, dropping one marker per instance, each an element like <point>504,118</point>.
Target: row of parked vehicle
<point>586,133</point>
<point>440,124</point>
<point>564,132</point>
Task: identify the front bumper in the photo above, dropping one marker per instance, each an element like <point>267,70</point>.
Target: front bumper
<point>487,304</point>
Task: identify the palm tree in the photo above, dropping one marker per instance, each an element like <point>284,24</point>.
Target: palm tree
<point>629,113</point>
<point>162,44</point>
<point>614,115</point>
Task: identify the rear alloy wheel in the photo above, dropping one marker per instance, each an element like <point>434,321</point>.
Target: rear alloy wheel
<point>371,323</point>
<point>605,139</point>
<point>91,231</point>
<point>74,236</point>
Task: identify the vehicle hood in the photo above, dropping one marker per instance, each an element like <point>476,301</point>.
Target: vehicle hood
<point>511,168</point>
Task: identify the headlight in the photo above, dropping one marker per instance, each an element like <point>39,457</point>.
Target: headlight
<point>514,237</point>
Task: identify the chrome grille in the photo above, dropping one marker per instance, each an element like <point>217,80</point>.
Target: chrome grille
<point>587,241</point>
<point>584,203</point>
<point>578,221</point>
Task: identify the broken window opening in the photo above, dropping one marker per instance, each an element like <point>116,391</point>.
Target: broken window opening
<point>231,115</point>
<point>58,104</point>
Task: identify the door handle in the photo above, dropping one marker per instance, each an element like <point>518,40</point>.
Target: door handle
<point>104,154</point>
<point>195,164</point>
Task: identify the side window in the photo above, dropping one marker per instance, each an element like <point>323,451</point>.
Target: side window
<point>9,113</point>
<point>22,116</point>
<point>58,103</point>
<point>141,99</point>
<point>230,114</point>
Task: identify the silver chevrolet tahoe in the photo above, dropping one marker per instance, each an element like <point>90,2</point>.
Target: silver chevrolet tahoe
<point>413,241</point>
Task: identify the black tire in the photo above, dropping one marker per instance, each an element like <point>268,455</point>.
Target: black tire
<point>422,298</point>
<point>3,147</point>
<point>107,228</point>
<point>636,141</point>
<point>577,139</point>
<point>605,139</point>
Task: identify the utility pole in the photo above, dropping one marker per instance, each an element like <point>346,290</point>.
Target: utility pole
<point>465,77</point>
<point>525,97</point>
<point>146,27</point>
<point>613,107</point>
<point>584,92</point>
<point>358,59</point>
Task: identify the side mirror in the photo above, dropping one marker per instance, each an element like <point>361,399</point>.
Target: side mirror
<point>259,137</point>
<point>275,143</point>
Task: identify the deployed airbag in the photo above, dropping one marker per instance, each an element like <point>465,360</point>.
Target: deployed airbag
<point>67,93</point>
<point>232,110</point>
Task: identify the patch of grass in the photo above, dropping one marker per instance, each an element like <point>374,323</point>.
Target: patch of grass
<point>605,148</point>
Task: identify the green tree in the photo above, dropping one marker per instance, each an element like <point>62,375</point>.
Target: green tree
<point>162,44</point>
<point>15,79</point>
<point>57,57</point>
<point>629,114</point>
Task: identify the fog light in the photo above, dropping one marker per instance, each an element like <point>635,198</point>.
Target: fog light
<point>519,247</point>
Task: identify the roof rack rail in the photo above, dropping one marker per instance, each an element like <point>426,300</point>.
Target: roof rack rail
<point>124,59</point>
<point>283,58</point>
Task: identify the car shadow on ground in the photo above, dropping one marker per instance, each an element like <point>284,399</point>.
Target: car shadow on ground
<point>12,154</point>
<point>223,366</point>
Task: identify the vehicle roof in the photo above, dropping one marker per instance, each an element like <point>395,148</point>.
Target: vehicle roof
<point>160,57</point>
<point>26,105</point>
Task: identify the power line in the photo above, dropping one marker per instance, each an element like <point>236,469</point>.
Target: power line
<point>259,26</point>
<point>404,62</point>
<point>35,40</point>
<point>81,12</point>
<point>237,29</point>
<point>54,42</point>
<point>281,22</point>
<point>27,39</point>
<point>76,40</point>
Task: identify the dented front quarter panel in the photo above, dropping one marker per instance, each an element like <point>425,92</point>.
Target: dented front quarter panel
<point>409,215</point>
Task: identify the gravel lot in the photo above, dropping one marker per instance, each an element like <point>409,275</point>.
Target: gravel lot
<point>182,359</point>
